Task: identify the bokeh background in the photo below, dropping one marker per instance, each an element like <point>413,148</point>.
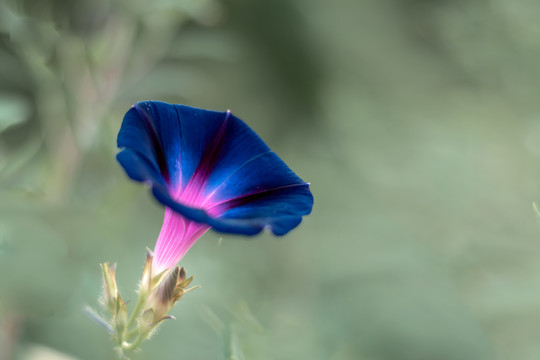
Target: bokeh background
<point>417,123</point>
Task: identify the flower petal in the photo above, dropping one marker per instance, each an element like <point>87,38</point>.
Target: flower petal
<point>140,168</point>
<point>211,168</point>
<point>155,141</point>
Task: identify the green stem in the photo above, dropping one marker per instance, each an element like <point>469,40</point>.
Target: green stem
<point>134,344</point>
<point>141,336</point>
<point>131,333</point>
<point>137,310</point>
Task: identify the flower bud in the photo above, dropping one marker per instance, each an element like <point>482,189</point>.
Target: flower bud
<point>110,290</point>
<point>165,294</point>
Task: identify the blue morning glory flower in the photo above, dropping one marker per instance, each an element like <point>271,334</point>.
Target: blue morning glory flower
<point>210,170</point>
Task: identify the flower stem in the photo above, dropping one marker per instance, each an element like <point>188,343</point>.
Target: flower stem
<point>137,310</point>
<point>134,344</point>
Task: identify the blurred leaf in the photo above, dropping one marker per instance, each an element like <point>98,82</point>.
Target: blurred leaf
<point>40,352</point>
<point>212,319</point>
<point>14,110</point>
<point>536,212</point>
<point>245,316</point>
<point>10,163</point>
<point>203,11</point>
<point>233,347</point>
<point>208,46</point>
<point>13,74</point>
<point>167,82</point>
<point>8,19</point>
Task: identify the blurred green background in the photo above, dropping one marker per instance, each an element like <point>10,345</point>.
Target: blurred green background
<point>417,123</point>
